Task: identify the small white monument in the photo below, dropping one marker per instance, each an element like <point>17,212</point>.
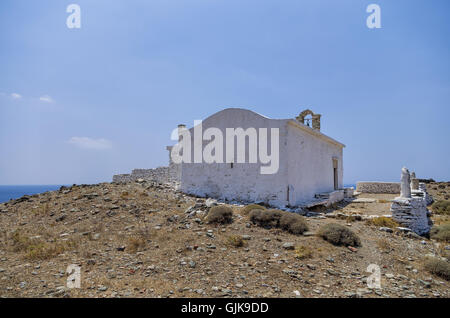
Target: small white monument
<point>410,208</point>
<point>405,184</point>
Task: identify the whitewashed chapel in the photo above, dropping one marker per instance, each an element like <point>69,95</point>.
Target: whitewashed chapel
<point>247,157</point>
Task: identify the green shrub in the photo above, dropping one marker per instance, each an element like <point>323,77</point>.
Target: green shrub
<point>247,209</point>
<point>438,267</point>
<point>441,207</point>
<point>220,214</point>
<point>338,234</point>
<point>287,221</point>
<point>441,232</point>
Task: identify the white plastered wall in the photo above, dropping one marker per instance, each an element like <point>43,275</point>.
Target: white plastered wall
<point>310,164</point>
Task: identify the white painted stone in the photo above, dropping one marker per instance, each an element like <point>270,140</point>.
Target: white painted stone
<point>411,212</point>
<point>364,200</point>
<point>405,184</point>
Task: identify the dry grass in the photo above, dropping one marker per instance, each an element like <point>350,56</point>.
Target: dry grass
<point>441,232</point>
<point>438,267</point>
<point>38,249</point>
<point>338,234</point>
<point>350,218</point>
<point>441,207</point>
<point>247,209</point>
<point>235,240</point>
<point>303,252</point>
<point>135,244</point>
<point>383,221</point>
<point>385,245</point>
<point>42,210</point>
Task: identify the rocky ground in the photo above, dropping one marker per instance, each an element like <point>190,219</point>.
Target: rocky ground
<point>147,240</point>
<point>440,191</point>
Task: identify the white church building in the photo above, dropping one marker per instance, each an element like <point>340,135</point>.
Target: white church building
<point>309,166</point>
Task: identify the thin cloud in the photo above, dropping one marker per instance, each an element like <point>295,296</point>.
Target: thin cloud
<point>91,143</point>
<point>16,96</point>
<point>46,99</point>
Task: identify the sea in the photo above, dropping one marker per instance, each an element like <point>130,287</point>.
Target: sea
<point>8,192</point>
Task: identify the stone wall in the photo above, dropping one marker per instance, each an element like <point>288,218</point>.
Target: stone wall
<point>160,174</point>
<point>378,187</point>
<point>170,174</point>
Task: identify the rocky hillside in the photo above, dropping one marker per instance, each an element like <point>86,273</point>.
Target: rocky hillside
<point>439,190</point>
<point>147,240</point>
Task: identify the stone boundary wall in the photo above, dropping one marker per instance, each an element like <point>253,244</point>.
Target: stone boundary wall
<point>160,174</point>
<point>378,187</point>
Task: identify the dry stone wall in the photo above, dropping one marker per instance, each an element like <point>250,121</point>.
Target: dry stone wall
<point>160,174</point>
<point>378,187</point>
<point>412,213</point>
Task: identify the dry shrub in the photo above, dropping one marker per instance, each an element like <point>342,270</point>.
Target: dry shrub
<point>20,241</point>
<point>303,252</point>
<point>351,218</point>
<point>135,244</point>
<point>383,221</point>
<point>38,249</point>
<point>220,214</point>
<point>338,234</point>
<point>235,240</point>
<point>266,218</point>
<point>293,223</point>
<point>438,267</point>
<point>45,250</point>
<point>247,209</point>
<point>441,207</point>
<point>384,245</point>
<point>290,222</point>
<point>441,232</point>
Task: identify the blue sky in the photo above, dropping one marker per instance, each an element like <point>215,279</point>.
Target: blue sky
<point>79,105</point>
